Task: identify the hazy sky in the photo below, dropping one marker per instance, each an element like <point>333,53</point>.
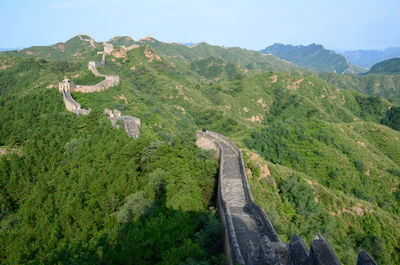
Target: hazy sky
<point>251,24</point>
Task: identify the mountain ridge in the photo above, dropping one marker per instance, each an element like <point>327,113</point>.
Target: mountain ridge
<point>314,57</point>
<point>83,46</point>
<point>389,67</point>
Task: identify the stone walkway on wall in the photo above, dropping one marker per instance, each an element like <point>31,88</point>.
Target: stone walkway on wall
<point>249,236</point>
<point>233,192</point>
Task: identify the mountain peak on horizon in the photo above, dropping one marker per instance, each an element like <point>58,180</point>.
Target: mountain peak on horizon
<point>313,56</point>
<point>148,38</point>
<point>189,44</point>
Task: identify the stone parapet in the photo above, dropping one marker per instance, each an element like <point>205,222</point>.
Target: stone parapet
<point>72,105</point>
<point>365,259</point>
<point>231,244</point>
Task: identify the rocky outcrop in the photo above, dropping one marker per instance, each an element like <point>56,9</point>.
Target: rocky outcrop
<point>249,235</point>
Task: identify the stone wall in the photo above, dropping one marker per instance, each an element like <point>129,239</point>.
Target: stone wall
<point>109,81</point>
<point>231,244</point>
<point>72,105</point>
<point>269,249</point>
<point>131,124</point>
<point>67,86</point>
<point>69,102</point>
<point>93,68</point>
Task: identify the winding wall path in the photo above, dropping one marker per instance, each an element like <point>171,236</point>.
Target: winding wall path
<point>66,86</point>
<point>246,224</point>
<point>249,236</point>
<point>109,80</point>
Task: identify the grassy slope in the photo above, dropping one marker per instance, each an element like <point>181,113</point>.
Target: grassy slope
<point>326,130</point>
<point>387,86</point>
<point>390,67</point>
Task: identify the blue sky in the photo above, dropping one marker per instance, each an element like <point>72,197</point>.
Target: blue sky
<point>251,24</point>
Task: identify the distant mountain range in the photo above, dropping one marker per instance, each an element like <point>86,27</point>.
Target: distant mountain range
<point>314,57</point>
<point>367,58</point>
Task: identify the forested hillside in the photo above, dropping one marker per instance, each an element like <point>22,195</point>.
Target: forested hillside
<point>76,190</point>
<point>389,67</point>
<point>320,158</point>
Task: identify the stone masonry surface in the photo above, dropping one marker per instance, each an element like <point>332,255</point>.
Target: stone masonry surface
<point>249,236</point>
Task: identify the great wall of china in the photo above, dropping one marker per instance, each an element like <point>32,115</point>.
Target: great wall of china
<point>131,124</point>
<point>66,86</point>
<point>249,235</point>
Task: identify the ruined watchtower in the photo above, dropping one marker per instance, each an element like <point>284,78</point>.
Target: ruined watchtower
<point>108,48</point>
<point>66,85</point>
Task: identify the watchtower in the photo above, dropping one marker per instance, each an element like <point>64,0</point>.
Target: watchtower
<point>108,48</point>
<point>66,85</point>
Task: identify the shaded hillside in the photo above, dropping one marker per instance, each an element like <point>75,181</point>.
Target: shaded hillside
<point>389,67</point>
<point>367,58</point>
<point>387,86</point>
<point>314,57</point>
<point>99,196</point>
